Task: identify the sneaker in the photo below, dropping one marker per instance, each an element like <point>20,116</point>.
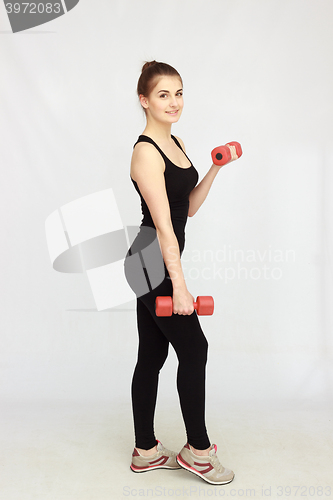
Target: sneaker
<point>206,467</point>
<point>162,459</point>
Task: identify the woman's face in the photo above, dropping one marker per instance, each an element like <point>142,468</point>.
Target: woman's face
<point>165,102</point>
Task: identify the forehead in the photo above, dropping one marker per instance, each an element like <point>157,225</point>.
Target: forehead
<point>171,83</point>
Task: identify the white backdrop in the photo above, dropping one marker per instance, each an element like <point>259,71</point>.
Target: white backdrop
<point>258,72</point>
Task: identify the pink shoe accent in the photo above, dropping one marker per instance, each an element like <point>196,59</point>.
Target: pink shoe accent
<point>138,468</point>
<point>189,467</point>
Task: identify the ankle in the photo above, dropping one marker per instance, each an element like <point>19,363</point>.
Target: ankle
<point>147,453</point>
<point>200,453</point>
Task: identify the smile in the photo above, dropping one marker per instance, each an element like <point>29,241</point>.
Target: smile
<point>172,112</point>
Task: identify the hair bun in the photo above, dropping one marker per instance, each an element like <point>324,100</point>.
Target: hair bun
<point>148,79</point>
<point>147,64</point>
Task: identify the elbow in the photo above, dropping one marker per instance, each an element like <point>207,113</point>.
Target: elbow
<point>190,212</point>
<point>164,229</point>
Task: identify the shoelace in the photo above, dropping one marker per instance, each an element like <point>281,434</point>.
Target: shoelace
<point>216,463</point>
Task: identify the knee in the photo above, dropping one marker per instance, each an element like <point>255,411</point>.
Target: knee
<point>160,360</point>
<point>198,351</point>
<point>204,349</point>
<point>153,362</point>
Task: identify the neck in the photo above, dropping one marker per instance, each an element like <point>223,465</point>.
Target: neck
<point>159,131</point>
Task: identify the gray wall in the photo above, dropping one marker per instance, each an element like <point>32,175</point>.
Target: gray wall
<point>258,72</point>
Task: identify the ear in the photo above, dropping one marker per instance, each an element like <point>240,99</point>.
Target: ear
<point>143,101</point>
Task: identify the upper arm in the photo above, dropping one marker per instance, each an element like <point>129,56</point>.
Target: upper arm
<point>147,167</point>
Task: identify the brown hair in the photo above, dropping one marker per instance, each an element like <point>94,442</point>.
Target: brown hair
<point>151,71</point>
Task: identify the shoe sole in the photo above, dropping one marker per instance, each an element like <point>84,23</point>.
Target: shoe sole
<point>197,473</point>
<point>137,471</point>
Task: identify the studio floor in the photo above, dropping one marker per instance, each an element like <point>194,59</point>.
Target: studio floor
<point>82,451</point>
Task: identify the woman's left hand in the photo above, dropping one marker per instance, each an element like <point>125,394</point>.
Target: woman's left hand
<point>233,153</point>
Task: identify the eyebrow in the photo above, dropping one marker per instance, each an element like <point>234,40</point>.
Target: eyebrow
<point>167,91</point>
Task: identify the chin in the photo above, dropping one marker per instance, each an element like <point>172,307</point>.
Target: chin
<point>174,118</point>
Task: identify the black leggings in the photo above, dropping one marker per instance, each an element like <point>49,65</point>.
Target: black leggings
<point>187,338</point>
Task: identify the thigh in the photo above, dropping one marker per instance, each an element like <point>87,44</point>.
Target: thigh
<point>144,265</point>
<point>153,344</point>
<point>184,332</point>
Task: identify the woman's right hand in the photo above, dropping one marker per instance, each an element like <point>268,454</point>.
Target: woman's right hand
<point>182,302</point>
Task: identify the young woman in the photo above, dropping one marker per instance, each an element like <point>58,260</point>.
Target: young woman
<point>166,181</point>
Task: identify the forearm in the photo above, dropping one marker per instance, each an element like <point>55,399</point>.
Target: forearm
<point>171,256</point>
<point>199,193</point>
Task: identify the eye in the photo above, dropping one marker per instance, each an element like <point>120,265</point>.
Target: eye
<point>163,95</point>
<point>180,94</point>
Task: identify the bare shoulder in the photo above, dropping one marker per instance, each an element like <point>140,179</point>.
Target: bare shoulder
<point>181,142</point>
<point>146,160</point>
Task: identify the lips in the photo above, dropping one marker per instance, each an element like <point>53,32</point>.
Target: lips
<point>172,112</point>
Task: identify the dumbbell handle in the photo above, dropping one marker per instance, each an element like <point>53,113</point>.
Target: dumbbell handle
<point>204,305</point>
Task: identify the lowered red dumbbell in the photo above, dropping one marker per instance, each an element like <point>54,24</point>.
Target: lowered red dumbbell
<point>222,154</point>
<point>204,305</point>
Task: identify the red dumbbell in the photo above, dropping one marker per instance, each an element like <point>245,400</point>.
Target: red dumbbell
<point>222,154</point>
<point>204,305</point>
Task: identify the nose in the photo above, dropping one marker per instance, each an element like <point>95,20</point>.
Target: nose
<point>173,102</point>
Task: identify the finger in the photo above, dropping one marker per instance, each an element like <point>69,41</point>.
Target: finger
<point>233,152</point>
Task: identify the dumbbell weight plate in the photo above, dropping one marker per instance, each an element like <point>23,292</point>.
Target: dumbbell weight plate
<point>205,305</point>
<point>221,155</point>
<point>163,306</point>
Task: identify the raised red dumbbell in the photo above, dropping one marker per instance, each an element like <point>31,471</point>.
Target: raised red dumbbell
<point>222,154</point>
<point>204,305</point>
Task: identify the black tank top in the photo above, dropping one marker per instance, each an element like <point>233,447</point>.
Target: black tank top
<point>179,182</point>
